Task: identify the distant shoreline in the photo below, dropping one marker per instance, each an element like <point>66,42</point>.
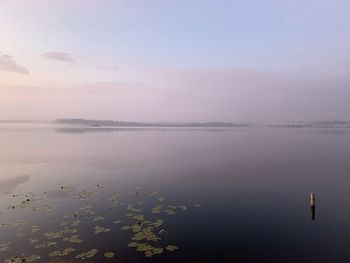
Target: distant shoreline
<point>87,123</point>
<point>110,123</point>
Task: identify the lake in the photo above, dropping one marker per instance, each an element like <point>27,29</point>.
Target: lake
<point>173,195</point>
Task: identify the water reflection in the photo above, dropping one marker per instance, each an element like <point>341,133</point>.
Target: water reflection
<point>312,212</point>
<point>229,171</point>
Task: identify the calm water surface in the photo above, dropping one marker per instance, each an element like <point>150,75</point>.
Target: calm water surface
<point>239,195</point>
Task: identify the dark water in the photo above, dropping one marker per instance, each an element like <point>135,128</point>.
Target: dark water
<point>253,186</point>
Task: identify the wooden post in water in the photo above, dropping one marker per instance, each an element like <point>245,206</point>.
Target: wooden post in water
<point>312,205</point>
<point>312,199</point>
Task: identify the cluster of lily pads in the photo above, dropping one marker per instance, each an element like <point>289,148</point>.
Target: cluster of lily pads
<point>141,218</point>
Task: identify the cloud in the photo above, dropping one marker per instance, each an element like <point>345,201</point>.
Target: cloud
<point>8,64</point>
<point>60,56</point>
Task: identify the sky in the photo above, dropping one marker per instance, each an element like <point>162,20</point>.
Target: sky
<point>179,60</point>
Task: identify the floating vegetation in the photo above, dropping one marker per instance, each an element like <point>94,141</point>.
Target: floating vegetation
<point>64,252</point>
<point>20,235</point>
<point>146,234</point>
<point>18,222</point>
<point>69,230</point>
<point>157,223</point>
<point>133,244</point>
<point>45,244</point>
<point>54,235</point>
<point>89,254</point>
<point>98,218</point>
<point>158,250</point>
<point>126,228</point>
<point>35,229</point>
<point>149,250</point>
<point>73,239</point>
<point>133,209</point>
<point>99,230</point>
<point>183,207</point>
<point>171,248</point>
<point>87,195</point>
<point>156,209</point>
<point>109,255</point>
<point>30,259</point>
<point>143,247</point>
<point>145,225</point>
<point>33,240</point>
<point>65,223</point>
<point>4,247</point>
<point>170,212</point>
<point>75,223</point>
<point>139,218</point>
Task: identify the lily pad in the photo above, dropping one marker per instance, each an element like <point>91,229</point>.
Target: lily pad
<point>170,212</point>
<point>98,218</point>
<point>33,240</point>
<point>154,251</point>
<point>35,229</point>
<point>139,218</point>
<point>157,223</point>
<point>89,254</point>
<point>156,209</point>
<point>133,244</point>
<point>124,228</point>
<point>18,222</point>
<point>109,255</point>
<point>53,235</point>
<point>30,259</point>
<point>45,244</point>
<point>64,252</point>
<point>171,248</point>
<point>182,207</point>
<point>87,195</point>
<point>73,239</point>
<point>4,247</point>
<point>75,223</point>
<point>99,230</point>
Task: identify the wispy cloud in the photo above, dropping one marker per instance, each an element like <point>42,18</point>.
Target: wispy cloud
<point>60,56</point>
<point>8,64</point>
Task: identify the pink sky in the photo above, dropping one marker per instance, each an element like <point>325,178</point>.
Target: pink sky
<point>128,60</point>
